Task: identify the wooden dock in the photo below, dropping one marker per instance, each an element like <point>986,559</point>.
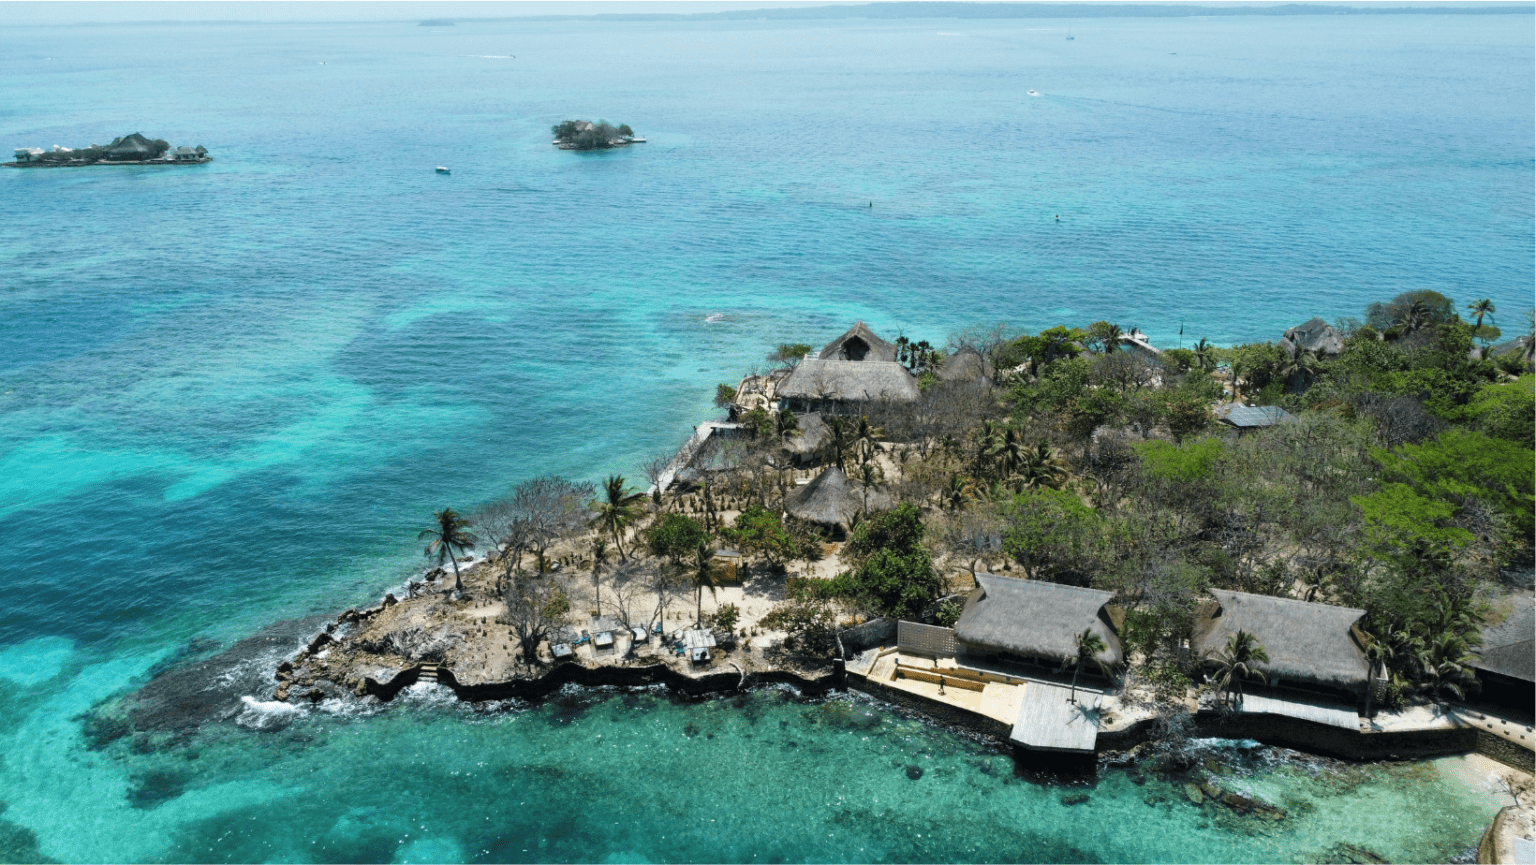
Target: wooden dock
<point>1047,722</point>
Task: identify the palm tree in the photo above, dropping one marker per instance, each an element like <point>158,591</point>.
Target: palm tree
<point>599,560</point>
<point>1111,337</point>
<point>1415,317</point>
<point>1236,663</point>
<point>1303,365</point>
<point>868,476</point>
<point>989,443</point>
<point>618,508</point>
<point>902,343</point>
<point>1447,660</point>
<point>865,435</point>
<point>702,573</point>
<point>838,441</point>
<point>446,540</point>
<point>1087,647</point>
<point>1205,355</point>
<point>1480,308</point>
<point>960,491</point>
<point>1042,466</point>
<point>922,353</point>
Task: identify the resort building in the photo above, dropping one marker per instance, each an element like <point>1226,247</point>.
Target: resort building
<point>1009,622</point>
<point>131,148</point>
<point>1316,651</point>
<point>29,154</point>
<point>1247,418</point>
<point>845,387</point>
<point>834,502</point>
<point>859,343</point>
<point>1507,667</point>
<point>965,365</point>
<point>189,154</point>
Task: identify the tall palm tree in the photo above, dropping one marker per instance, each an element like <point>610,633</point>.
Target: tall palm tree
<point>1303,365</point>
<point>902,344</point>
<point>1236,663</point>
<point>839,441</point>
<point>865,435</point>
<point>618,508</point>
<point>599,561</point>
<point>446,539</point>
<point>1086,647</point>
<point>1205,355</point>
<point>923,353</point>
<point>1480,308</point>
<point>703,574</point>
<point>989,443</point>
<point>1111,336</point>
<point>1447,660</point>
<point>960,491</point>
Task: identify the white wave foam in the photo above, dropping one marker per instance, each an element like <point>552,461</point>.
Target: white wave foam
<point>266,714</point>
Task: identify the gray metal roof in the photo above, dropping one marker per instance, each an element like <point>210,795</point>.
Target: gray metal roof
<point>1306,642</point>
<point>850,380</point>
<point>1253,417</point>
<point>1507,643</point>
<point>1035,618</point>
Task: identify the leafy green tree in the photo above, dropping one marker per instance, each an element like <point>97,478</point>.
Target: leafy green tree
<point>446,538</point>
<point>1104,337</point>
<point>674,537</point>
<point>1051,534</point>
<point>789,354</point>
<point>894,572</point>
<point>1186,413</point>
<point>1236,663</point>
<point>617,510</point>
<point>1257,364</point>
<point>1182,359</point>
<point>1502,411</point>
<point>760,532</point>
<point>948,613</point>
<point>1436,307</point>
<point>759,423</point>
<point>1462,464</point>
<point>724,395</point>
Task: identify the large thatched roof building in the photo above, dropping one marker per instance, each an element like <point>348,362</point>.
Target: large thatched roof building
<point>1310,646</point>
<point>1507,666</point>
<point>132,148</point>
<point>832,500</point>
<point>1031,621</point>
<point>859,344</point>
<point>811,434</point>
<point>842,386</point>
<point>1316,336</point>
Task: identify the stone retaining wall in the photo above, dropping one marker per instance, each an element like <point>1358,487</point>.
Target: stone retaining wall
<point>566,674</point>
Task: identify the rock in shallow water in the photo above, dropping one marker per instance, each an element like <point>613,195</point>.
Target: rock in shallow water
<point>914,772</point>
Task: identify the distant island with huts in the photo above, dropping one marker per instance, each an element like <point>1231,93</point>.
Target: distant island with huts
<point>131,149</point>
<point>586,135</point>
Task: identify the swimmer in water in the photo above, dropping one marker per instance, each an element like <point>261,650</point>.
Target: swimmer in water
<point>1058,217</point>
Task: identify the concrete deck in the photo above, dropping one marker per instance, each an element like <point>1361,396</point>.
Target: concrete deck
<point>1048,722</point>
<point>1334,715</point>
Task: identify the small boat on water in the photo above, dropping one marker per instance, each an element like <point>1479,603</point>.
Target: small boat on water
<point>443,169</point>
<point>1033,93</point>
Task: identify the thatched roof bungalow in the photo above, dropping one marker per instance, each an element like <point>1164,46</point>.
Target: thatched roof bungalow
<point>833,501</point>
<point>1314,647</point>
<point>812,434</point>
<point>1507,666</point>
<point>1316,336</point>
<point>859,344</point>
<point>1031,621</point>
<point>965,365</point>
<point>132,148</point>
<point>843,386</point>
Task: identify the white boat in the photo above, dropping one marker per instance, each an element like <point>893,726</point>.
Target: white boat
<point>443,169</point>
<point>1033,93</point>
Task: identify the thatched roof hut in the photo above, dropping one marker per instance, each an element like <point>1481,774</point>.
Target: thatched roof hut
<point>1034,619</point>
<point>833,500</point>
<point>1309,645</point>
<point>967,364</point>
<point>1508,643</point>
<point>819,384</point>
<point>859,344</point>
<point>813,434</point>
<point>131,148</point>
<point>1316,336</point>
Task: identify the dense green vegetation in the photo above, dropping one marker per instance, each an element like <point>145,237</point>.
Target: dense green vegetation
<point>585,135</point>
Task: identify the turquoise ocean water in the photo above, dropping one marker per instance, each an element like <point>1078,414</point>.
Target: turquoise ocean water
<point>230,394</point>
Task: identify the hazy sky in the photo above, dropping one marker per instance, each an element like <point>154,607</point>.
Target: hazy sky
<point>106,11</point>
<point>31,12</point>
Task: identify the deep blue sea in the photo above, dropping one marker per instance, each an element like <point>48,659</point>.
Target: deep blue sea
<point>232,394</point>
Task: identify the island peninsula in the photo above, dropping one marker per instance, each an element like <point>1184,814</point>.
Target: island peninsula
<point>131,149</point>
<point>1073,544</point>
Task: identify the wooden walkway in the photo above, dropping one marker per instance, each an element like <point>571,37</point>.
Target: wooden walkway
<point>1332,714</point>
<point>1047,722</point>
<point>687,452</point>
